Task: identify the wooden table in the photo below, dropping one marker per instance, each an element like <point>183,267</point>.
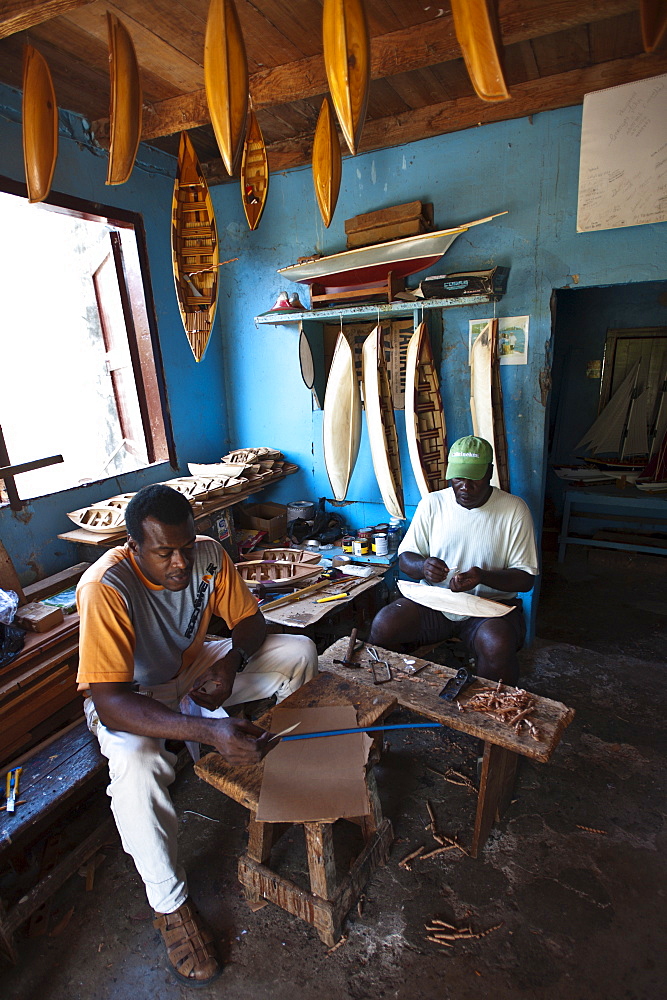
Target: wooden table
<point>328,901</point>
<point>633,513</point>
<point>502,746</point>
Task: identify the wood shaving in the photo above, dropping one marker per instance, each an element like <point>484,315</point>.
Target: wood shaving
<point>338,944</point>
<point>511,706</point>
<point>441,932</point>
<point>408,857</point>
<point>591,829</point>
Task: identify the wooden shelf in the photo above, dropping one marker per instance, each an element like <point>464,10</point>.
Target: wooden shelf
<point>359,310</point>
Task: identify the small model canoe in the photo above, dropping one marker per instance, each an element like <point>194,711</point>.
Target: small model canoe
<point>99,518</point>
<point>446,600</point>
<point>347,60</point>
<point>190,486</point>
<point>486,402</point>
<point>424,417</point>
<point>125,114</point>
<point>40,124</point>
<point>327,162</point>
<point>285,555</point>
<point>254,173</point>
<point>223,470</point>
<point>478,34</point>
<point>226,79</point>
<point>252,455</point>
<point>381,422</point>
<point>277,573</point>
<point>194,247</point>
<point>341,426</point>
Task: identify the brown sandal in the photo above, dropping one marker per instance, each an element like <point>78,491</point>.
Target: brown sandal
<point>189,945</point>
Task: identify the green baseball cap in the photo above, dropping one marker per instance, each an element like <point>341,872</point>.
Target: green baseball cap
<point>469,458</point>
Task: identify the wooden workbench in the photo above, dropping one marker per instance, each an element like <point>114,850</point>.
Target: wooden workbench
<point>502,745</point>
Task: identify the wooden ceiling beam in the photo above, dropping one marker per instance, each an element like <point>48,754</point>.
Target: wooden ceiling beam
<point>19,15</point>
<point>544,94</point>
<point>401,51</point>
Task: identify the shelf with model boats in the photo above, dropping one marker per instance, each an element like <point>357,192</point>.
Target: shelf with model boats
<point>280,317</point>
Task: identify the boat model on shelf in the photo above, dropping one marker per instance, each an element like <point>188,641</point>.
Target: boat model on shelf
<point>381,423</point>
<point>618,440</point>
<point>368,265</point>
<point>300,556</point>
<point>276,572</point>
<point>424,417</point>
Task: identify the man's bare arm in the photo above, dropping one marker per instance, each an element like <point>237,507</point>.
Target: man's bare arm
<point>121,708</point>
<point>423,567</point>
<point>499,579</point>
<point>215,685</point>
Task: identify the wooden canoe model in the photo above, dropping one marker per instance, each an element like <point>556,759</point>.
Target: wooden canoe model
<point>226,79</point>
<point>254,173</point>
<point>277,573</point>
<point>327,162</point>
<point>341,426</point>
<point>99,518</point>
<point>194,248</point>
<point>223,470</point>
<point>486,401</point>
<point>40,124</point>
<point>653,15</point>
<point>285,555</point>
<point>347,60</point>
<point>126,102</point>
<point>253,455</point>
<point>381,422</point>
<point>424,417</point>
<point>478,34</point>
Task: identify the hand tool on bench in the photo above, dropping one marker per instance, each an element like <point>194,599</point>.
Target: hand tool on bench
<point>379,676</point>
<point>348,661</point>
<point>13,779</point>
<point>456,684</point>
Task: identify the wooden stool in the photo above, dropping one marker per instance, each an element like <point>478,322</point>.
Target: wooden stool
<point>328,902</point>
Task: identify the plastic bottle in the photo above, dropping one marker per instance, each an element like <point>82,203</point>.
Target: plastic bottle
<point>395,533</point>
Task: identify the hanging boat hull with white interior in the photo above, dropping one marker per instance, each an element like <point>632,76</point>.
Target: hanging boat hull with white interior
<point>381,422</point>
<point>341,426</point>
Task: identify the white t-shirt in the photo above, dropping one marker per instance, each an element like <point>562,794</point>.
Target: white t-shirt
<point>497,535</point>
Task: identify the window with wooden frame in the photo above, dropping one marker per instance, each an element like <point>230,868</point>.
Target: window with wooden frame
<point>80,366</point>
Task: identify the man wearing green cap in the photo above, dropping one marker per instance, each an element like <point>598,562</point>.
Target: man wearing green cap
<point>470,538</point>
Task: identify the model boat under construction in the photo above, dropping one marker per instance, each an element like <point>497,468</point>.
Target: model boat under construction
<point>367,265</point>
<point>424,418</point>
<point>381,422</point>
<point>194,242</point>
<point>341,427</point>
<point>276,573</point>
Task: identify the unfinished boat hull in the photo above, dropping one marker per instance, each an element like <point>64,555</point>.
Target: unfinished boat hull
<point>276,573</point>
<point>478,34</point>
<point>425,427</point>
<point>125,113</point>
<point>327,163</point>
<point>194,249</point>
<point>226,79</point>
<point>381,422</point>
<point>347,60</point>
<point>486,404</point>
<point>40,125</point>
<point>254,173</point>
<point>368,265</point>
<point>341,426</point>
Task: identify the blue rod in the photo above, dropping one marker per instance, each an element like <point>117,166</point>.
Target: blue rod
<point>366,729</point>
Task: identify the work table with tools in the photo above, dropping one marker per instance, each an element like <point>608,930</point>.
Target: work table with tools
<point>417,685</point>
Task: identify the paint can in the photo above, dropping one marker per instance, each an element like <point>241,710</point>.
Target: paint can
<point>304,509</point>
<point>380,544</point>
<point>360,547</point>
<point>347,543</point>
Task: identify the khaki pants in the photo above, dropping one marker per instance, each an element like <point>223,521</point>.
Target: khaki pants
<point>141,769</point>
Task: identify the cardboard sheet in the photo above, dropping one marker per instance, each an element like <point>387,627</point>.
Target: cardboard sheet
<point>316,780</point>
<point>443,599</point>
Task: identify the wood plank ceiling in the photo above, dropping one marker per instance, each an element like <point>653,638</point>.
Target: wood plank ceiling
<point>555,51</point>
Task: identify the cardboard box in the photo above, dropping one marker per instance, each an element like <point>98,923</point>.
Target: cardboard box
<point>268,517</point>
<point>38,617</point>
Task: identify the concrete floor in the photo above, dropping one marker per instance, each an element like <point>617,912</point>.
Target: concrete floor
<point>582,913</point>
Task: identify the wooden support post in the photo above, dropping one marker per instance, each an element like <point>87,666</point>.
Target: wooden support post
<point>321,861</point>
<point>260,840</point>
<point>495,791</point>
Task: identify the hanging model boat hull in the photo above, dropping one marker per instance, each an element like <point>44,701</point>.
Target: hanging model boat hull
<point>368,265</point>
<point>424,417</point>
<point>341,426</point>
<point>40,125</point>
<point>327,163</point>
<point>654,23</point>
<point>381,422</point>
<point>125,112</point>
<point>194,246</point>
<point>347,60</point>
<point>486,401</point>
<point>226,79</point>
<point>254,173</point>
<point>478,34</point>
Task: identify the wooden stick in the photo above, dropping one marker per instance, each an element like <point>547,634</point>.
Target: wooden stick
<point>439,850</point>
<point>409,857</point>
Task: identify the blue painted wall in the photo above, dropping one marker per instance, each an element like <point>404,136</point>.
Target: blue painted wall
<point>527,166</point>
<point>195,391</point>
